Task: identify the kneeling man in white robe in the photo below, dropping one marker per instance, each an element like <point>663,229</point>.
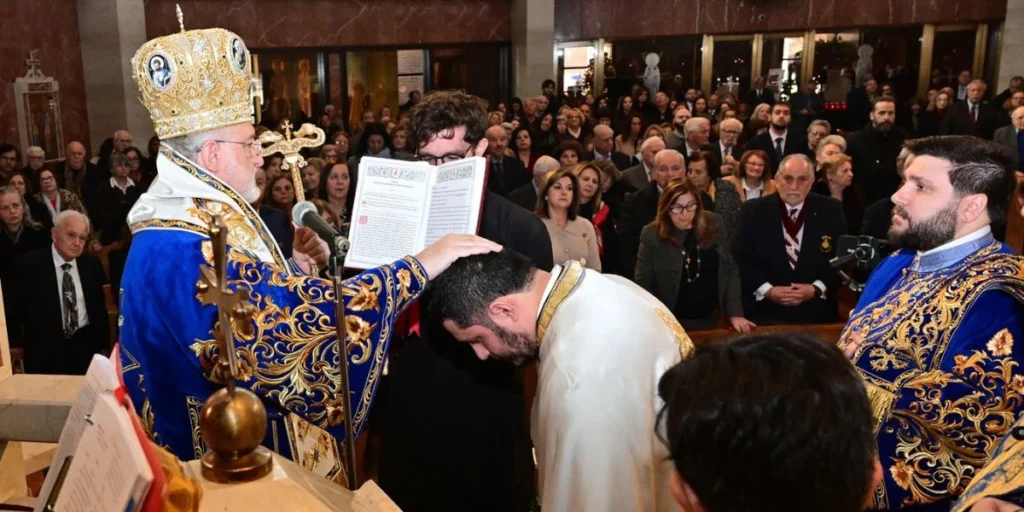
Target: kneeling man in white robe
<point>603,343</point>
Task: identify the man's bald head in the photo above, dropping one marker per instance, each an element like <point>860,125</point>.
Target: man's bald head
<point>497,140</point>
<point>75,155</point>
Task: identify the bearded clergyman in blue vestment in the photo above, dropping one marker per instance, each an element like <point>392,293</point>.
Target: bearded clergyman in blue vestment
<point>938,334</point>
<point>202,113</point>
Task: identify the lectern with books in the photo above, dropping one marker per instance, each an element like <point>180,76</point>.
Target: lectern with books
<point>104,461</point>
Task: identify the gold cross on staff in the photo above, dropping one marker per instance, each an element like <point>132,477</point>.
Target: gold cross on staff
<point>289,145</point>
<point>233,307</point>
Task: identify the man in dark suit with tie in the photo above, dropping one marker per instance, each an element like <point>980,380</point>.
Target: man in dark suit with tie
<point>971,117</point>
<point>604,148</point>
<point>726,150</point>
<point>60,315</point>
<point>1012,137</point>
<point>526,195</point>
<point>506,173</point>
<point>779,141</point>
<point>783,250</point>
<point>758,94</point>
<point>639,176</point>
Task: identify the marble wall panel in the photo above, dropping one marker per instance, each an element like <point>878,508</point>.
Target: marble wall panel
<point>353,23</point>
<point>50,26</point>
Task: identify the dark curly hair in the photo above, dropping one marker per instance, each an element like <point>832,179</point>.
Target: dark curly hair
<point>440,112</point>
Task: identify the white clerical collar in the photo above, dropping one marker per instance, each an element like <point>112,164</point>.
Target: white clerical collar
<point>115,184</point>
<point>59,261</point>
<point>959,241</point>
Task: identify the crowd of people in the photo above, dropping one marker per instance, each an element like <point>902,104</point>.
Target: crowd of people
<point>727,212</point>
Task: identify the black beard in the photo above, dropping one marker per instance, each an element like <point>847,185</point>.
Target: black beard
<point>779,128</point>
<point>884,127</point>
<point>926,235</point>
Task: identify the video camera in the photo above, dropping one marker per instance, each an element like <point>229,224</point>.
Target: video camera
<point>864,252</point>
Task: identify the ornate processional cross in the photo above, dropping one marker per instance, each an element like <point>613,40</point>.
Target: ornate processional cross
<point>289,145</point>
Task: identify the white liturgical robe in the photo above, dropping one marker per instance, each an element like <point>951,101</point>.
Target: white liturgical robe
<point>605,342</point>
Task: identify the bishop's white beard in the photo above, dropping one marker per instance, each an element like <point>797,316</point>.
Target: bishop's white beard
<point>251,193</point>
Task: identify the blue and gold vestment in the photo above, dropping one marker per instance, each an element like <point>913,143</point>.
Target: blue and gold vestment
<point>291,359</point>
<point>941,360</point>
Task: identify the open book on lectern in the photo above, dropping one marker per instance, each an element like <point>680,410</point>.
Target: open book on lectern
<point>401,207</point>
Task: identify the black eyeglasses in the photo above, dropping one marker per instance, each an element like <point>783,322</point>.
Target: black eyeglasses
<point>450,157</point>
<point>678,208</point>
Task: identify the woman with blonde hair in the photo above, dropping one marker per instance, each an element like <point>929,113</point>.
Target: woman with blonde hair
<point>836,178</point>
<point>572,236</point>
<point>685,262</point>
<point>752,179</point>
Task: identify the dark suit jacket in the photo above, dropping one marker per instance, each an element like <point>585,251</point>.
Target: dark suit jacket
<point>638,211</point>
<point>760,252</point>
<point>38,320</point>
<point>655,117</point>
<point>813,103</point>
<point>929,123</point>
<point>958,121</point>
<point>636,177</point>
<point>525,196</point>
<point>1007,137</point>
<point>754,99</point>
<point>796,142</point>
<point>513,175</point>
<point>73,180</point>
<point>859,109</point>
<point>620,160</point>
<point>465,415</point>
<point>280,226</point>
<point>874,161</point>
<point>878,219</point>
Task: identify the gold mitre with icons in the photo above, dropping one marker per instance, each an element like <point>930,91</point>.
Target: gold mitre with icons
<point>194,80</point>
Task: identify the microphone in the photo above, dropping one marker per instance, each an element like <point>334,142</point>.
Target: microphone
<point>305,215</point>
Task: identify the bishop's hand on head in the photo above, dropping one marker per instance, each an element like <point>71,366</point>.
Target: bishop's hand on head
<point>442,253</point>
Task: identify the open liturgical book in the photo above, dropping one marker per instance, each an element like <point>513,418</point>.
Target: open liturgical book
<point>403,207</point>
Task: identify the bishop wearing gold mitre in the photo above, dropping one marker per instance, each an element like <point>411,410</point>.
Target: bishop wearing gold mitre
<point>197,87</point>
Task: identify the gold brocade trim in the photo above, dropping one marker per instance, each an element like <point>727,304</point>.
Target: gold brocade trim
<point>881,402</point>
<point>194,405</point>
<point>251,215</point>
<point>133,362</point>
<point>1003,475</point>
<point>939,441</point>
<point>311,446</point>
<point>135,227</point>
<point>567,281</point>
<point>678,333</point>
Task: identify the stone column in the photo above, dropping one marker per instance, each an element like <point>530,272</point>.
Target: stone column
<point>1011,57</point>
<point>533,45</point>
<point>111,32</point>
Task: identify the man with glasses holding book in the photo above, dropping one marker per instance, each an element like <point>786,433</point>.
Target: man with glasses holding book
<point>454,428</point>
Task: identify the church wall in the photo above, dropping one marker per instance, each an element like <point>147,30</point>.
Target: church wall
<point>591,19</point>
<point>352,23</point>
<point>51,26</point>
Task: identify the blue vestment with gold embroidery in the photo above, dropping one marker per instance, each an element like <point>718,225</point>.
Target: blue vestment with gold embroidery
<point>291,359</point>
<point>941,361</point>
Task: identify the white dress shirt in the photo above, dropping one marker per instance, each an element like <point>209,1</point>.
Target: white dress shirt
<point>115,184</point>
<point>774,135</point>
<point>753,193</point>
<point>83,317</point>
<point>762,291</point>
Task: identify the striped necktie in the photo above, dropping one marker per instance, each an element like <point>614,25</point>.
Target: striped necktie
<point>69,298</point>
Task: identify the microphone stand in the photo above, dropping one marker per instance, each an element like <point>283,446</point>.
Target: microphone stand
<point>339,249</point>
